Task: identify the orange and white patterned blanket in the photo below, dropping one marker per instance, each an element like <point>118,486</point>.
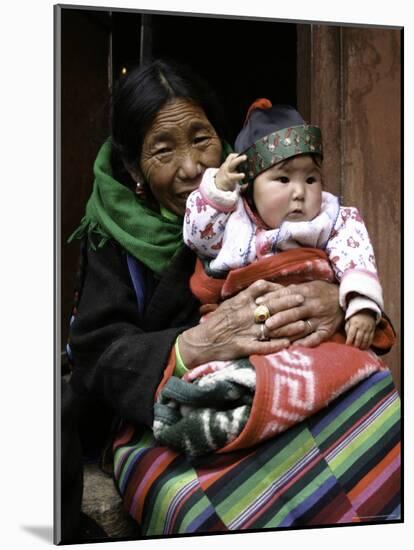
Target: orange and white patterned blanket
<point>284,387</point>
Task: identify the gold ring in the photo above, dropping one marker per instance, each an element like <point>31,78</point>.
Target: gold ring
<point>263,337</point>
<point>310,325</point>
<point>261,313</point>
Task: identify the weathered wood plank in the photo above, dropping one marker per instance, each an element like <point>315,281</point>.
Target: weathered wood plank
<point>372,152</point>
<point>84,69</point>
<point>352,90</point>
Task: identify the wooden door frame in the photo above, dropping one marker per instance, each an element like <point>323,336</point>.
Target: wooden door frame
<point>349,83</point>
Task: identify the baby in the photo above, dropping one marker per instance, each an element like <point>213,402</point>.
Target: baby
<point>278,203</point>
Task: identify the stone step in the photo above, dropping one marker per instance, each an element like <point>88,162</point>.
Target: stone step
<point>101,502</point>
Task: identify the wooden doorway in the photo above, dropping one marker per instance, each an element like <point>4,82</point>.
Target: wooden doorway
<point>349,83</point>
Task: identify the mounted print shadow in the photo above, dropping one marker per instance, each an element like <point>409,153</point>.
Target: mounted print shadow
<point>228,275</point>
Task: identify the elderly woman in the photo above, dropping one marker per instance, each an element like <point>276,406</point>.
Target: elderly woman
<point>135,311</point>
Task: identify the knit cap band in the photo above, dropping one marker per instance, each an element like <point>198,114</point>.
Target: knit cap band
<point>281,145</point>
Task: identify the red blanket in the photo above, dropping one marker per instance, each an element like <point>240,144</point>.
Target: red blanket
<point>294,266</point>
<point>297,382</point>
<point>293,384</point>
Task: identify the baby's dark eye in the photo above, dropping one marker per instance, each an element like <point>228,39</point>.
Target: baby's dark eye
<point>311,180</point>
<point>283,179</point>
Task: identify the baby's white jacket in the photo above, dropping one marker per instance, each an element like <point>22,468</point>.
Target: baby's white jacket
<point>219,226</point>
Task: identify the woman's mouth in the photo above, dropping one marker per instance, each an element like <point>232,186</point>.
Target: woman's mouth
<point>184,196</point>
<point>189,186</point>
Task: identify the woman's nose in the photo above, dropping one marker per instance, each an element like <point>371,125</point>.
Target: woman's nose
<point>190,167</point>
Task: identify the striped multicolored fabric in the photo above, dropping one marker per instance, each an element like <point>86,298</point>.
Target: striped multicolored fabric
<point>340,466</point>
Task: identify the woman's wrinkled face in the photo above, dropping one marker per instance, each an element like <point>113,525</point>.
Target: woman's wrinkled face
<point>177,149</point>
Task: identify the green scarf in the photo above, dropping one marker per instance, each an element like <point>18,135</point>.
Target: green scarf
<point>115,212</point>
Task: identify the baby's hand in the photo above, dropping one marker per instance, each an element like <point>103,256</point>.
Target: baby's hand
<point>360,329</point>
<point>227,176</point>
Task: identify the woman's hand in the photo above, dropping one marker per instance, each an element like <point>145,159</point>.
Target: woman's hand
<point>314,321</point>
<point>230,332</point>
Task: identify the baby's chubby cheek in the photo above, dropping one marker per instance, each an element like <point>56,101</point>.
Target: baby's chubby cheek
<point>271,211</point>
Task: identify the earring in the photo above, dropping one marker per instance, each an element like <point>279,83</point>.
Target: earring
<point>140,189</point>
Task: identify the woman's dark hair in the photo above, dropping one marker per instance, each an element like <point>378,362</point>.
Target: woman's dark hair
<point>140,95</point>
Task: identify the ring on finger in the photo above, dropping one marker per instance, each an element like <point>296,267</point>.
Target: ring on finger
<point>309,325</point>
<point>263,337</point>
<point>261,314</point>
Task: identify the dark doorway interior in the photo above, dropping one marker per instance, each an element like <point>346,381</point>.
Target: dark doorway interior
<point>241,59</point>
